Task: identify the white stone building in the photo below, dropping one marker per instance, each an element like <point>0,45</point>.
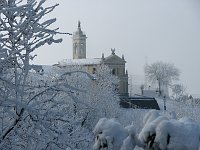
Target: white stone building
<point>114,62</point>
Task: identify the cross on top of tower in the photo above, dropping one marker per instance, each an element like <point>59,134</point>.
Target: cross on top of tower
<point>113,51</point>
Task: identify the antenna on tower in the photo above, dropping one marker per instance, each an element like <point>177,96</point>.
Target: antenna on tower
<point>145,78</point>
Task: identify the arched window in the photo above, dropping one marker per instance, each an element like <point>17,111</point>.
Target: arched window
<point>75,48</point>
<point>93,70</point>
<point>114,71</point>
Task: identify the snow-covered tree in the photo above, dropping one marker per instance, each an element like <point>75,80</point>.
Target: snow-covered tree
<point>29,116</point>
<point>88,98</point>
<point>99,93</point>
<point>60,107</point>
<point>178,92</point>
<point>161,73</point>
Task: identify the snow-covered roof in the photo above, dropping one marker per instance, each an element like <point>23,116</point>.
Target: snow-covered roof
<point>114,58</point>
<point>150,93</point>
<point>87,61</point>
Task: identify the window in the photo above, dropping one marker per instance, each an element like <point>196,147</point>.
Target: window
<point>114,71</point>
<point>93,70</point>
<point>75,48</point>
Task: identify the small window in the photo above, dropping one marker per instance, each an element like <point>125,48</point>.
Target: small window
<point>94,70</point>
<point>114,72</point>
<point>75,48</point>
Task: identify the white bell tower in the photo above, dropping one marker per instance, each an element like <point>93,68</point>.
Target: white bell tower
<point>79,43</point>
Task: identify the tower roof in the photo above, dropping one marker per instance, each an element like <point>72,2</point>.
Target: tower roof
<point>79,24</point>
<point>79,31</point>
<point>113,58</point>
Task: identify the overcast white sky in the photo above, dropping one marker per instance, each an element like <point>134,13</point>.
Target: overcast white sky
<point>142,30</point>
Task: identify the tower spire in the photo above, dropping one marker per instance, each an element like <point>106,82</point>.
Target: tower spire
<point>79,24</point>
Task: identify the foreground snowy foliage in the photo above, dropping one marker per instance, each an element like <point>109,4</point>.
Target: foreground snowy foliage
<point>105,130</point>
<point>57,114</point>
<point>27,110</point>
<point>39,110</point>
<point>159,132</point>
<point>57,110</point>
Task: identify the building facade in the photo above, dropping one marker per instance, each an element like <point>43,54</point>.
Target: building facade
<point>114,62</point>
<point>117,66</point>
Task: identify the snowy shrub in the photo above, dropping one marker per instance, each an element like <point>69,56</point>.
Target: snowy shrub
<point>187,110</point>
<point>150,121</point>
<point>161,133</point>
<point>131,141</point>
<point>133,117</point>
<point>111,135</point>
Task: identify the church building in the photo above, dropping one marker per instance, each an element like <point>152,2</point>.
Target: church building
<point>114,62</point>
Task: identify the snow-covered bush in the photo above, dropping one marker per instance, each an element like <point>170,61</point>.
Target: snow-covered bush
<point>133,117</point>
<point>148,132</point>
<point>188,109</point>
<point>109,134</point>
<point>131,141</point>
<point>161,132</point>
